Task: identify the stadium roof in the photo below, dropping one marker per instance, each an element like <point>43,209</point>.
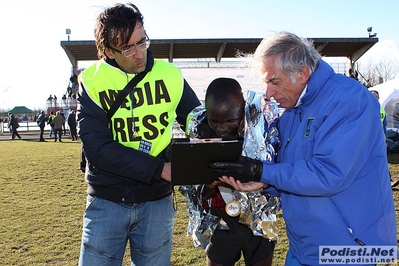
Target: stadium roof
<point>352,48</point>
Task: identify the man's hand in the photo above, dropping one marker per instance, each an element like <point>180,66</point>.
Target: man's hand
<point>166,172</point>
<point>245,187</point>
<point>245,169</point>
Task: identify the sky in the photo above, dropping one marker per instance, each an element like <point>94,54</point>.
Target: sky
<point>34,65</point>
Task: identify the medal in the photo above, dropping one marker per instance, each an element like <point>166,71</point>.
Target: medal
<point>233,208</point>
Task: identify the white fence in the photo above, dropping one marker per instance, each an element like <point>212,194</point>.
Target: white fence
<point>26,127</point>
<point>32,126</point>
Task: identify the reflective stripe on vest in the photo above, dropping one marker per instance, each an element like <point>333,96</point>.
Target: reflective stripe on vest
<point>155,100</point>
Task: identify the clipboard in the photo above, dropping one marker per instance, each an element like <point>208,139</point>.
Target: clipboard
<point>191,158</point>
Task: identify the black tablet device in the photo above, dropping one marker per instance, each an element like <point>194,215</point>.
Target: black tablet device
<point>191,158</point>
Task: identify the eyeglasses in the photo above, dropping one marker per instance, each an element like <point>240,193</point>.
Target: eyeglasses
<point>140,46</point>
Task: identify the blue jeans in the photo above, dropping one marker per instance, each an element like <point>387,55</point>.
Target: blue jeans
<point>51,130</point>
<point>107,226</point>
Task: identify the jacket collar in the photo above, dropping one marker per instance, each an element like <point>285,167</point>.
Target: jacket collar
<point>317,81</point>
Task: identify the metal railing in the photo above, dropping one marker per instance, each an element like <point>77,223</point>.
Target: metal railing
<point>32,126</point>
<point>56,104</point>
<point>23,127</point>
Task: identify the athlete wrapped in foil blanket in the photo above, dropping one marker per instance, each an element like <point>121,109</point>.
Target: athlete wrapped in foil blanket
<point>257,209</point>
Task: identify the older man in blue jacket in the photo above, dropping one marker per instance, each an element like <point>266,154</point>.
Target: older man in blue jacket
<point>331,172</point>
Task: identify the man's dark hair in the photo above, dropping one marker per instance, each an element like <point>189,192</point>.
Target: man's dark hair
<point>221,89</point>
<point>115,25</point>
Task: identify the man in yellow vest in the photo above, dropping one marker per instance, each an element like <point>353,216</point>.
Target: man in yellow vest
<point>128,170</point>
<point>51,123</point>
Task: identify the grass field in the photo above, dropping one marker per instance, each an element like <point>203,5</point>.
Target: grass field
<point>43,199</point>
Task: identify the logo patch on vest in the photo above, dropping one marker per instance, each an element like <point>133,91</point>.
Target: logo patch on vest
<point>145,146</point>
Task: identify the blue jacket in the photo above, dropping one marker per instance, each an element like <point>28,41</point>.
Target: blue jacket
<point>332,169</point>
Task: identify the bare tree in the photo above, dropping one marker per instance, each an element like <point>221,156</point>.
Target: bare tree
<point>387,68</point>
<point>377,72</point>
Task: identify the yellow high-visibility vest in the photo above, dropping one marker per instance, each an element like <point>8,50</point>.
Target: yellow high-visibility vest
<point>150,108</point>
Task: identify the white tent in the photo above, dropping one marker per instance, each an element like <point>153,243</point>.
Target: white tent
<point>389,100</point>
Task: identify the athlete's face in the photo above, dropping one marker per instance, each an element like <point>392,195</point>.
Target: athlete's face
<point>137,62</point>
<point>224,119</point>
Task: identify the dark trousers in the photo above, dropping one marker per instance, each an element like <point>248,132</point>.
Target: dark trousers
<point>59,132</point>
<point>72,130</point>
<point>41,134</point>
<point>15,133</point>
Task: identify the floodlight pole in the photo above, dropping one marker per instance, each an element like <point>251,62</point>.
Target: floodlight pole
<point>371,35</point>
<point>68,32</point>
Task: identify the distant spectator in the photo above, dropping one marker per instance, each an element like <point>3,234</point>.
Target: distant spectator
<point>74,80</point>
<point>14,125</point>
<point>25,118</point>
<point>382,114</point>
<point>8,120</point>
<point>353,73</point>
<point>64,99</point>
<point>72,125</point>
<point>394,183</point>
<point>41,122</point>
<point>58,122</point>
<point>69,91</point>
<point>51,123</point>
<point>63,125</point>
<point>395,116</point>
